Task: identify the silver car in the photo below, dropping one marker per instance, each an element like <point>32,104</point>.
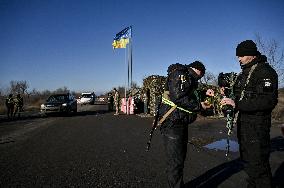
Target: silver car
<point>65,103</point>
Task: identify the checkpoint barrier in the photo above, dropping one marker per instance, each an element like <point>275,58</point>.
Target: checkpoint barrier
<point>127,106</point>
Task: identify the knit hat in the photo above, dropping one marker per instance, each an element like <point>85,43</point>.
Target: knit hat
<point>198,65</point>
<point>247,48</point>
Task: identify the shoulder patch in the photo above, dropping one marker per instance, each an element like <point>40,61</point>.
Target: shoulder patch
<point>267,82</point>
<point>267,85</point>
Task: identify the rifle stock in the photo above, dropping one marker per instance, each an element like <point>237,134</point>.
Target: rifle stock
<point>154,126</point>
<point>155,123</point>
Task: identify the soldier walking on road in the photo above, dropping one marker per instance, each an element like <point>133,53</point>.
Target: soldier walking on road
<point>19,103</point>
<point>256,95</point>
<point>10,105</point>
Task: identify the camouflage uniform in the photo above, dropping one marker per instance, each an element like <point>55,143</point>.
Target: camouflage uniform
<point>10,105</point>
<point>19,103</point>
<point>116,101</point>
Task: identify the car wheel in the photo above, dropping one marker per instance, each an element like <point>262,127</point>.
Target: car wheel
<point>42,114</point>
<point>75,110</point>
<point>68,111</point>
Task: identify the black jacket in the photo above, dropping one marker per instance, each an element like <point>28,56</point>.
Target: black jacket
<point>261,92</point>
<point>181,92</point>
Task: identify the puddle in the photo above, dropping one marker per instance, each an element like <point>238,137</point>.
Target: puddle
<point>199,142</point>
<point>222,145</point>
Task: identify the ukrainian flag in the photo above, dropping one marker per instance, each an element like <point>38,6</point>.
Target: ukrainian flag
<point>122,38</point>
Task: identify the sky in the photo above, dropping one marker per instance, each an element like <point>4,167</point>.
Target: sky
<point>67,43</point>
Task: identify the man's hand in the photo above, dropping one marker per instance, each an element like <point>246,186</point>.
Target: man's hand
<point>210,92</point>
<point>228,101</point>
<point>222,91</point>
<point>206,105</point>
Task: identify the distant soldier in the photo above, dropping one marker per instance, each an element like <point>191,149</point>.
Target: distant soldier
<point>116,101</point>
<point>110,102</point>
<point>145,101</point>
<point>10,105</point>
<point>19,103</point>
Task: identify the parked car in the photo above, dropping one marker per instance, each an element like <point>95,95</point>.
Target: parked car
<point>87,98</point>
<point>63,103</point>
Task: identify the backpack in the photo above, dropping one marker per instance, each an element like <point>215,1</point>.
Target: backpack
<point>181,87</point>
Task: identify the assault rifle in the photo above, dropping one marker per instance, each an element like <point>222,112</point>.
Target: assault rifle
<point>157,122</point>
<point>227,80</point>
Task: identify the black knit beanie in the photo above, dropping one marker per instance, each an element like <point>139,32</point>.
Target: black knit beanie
<point>198,65</point>
<point>247,48</point>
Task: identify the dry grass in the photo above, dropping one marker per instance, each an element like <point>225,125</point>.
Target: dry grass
<point>277,113</point>
<point>28,106</point>
<point>2,109</point>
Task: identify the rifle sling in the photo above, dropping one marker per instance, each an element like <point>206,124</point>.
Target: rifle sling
<point>173,107</point>
<point>243,91</point>
<point>170,103</point>
<point>166,115</point>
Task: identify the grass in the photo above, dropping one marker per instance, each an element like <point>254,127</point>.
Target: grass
<point>277,113</point>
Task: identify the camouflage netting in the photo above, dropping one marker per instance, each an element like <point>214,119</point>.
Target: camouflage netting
<point>154,86</point>
<point>136,92</point>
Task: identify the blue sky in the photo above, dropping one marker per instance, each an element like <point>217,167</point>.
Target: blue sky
<point>57,43</point>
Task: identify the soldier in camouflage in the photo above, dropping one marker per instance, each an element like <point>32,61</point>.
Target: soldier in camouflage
<point>19,103</point>
<point>116,101</point>
<point>10,105</point>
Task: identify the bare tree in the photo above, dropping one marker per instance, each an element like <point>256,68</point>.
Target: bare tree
<point>19,86</point>
<point>121,91</point>
<point>46,93</point>
<point>62,90</point>
<point>134,85</point>
<point>275,55</point>
<point>208,78</point>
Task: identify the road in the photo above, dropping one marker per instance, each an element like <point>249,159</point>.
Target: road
<point>94,148</point>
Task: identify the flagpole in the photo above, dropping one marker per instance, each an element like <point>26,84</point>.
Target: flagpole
<point>128,68</point>
<point>125,89</point>
<point>131,64</point>
<point>120,41</point>
<point>126,97</point>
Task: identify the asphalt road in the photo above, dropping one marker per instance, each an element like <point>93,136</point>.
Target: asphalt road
<point>94,148</point>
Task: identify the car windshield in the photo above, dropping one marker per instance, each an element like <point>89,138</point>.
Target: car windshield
<point>87,96</point>
<point>57,98</point>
